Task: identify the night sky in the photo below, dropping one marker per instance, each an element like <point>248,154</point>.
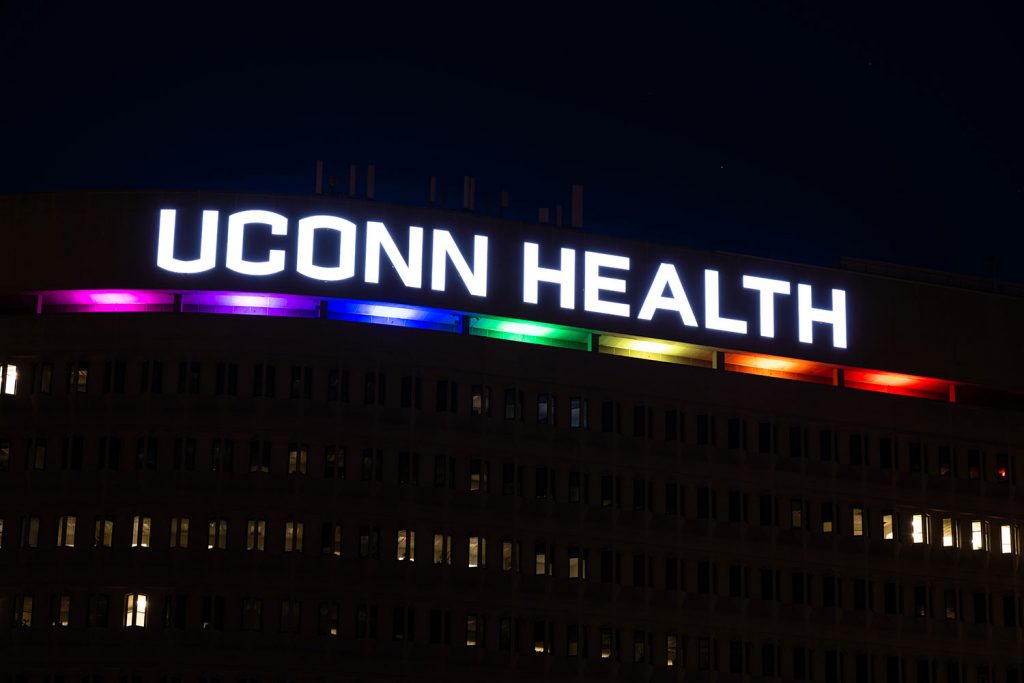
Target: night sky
<point>788,130</point>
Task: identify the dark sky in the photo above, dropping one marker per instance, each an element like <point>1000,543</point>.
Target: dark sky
<point>790,130</point>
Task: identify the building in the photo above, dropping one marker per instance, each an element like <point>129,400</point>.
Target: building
<point>281,438</point>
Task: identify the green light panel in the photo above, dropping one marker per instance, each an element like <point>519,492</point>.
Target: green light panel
<point>529,332</point>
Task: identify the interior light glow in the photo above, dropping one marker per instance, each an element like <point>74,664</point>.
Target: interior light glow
<point>395,315</point>
<point>113,301</point>
<point>529,332</point>
<point>247,303</point>
<point>655,349</point>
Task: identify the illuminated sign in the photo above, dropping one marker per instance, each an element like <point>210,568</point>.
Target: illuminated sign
<point>611,284</point>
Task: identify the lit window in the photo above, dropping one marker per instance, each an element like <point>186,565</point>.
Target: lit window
<point>328,618</point>
<point>858,521</point>
<point>1008,539</point>
<point>577,564</point>
<point>796,513</point>
<point>540,556</point>
<point>949,535</point>
<point>579,417</point>
<point>919,528</point>
<point>477,551</point>
<point>135,605</point>
<point>1,532</point>
<point>334,462</point>
<point>255,531</point>
<point>293,532</point>
<point>140,531</point>
<point>78,378</point>
<point>481,402</point>
<point>506,556</point>
<point>29,532</point>
<point>406,545</point>
<point>888,526</point>
<point>606,643</point>
<point>66,532</point>
<point>442,549</point>
<point>478,470</point>
<point>671,649</point>
<point>827,517</point>
<point>1002,467</point>
<point>217,536</point>
<point>9,379</point>
<point>572,640</point>
<point>330,539</point>
<point>23,611</point>
<point>179,532</point>
<point>103,536</point>
<point>979,534</point>
<point>542,635</point>
<point>297,453</point>
<point>60,610</point>
<point>471,630</point>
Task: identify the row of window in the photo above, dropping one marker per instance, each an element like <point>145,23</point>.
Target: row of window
<point>770,659</point>
<point>885,452</point>
<point>572,562</point>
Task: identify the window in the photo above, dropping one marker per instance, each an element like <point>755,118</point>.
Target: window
<point>545,409</point>
<point>297,453</point>
<point>179,532</point>
<point>188,377</point>
<point>212,616</point>
<point>705,430</point>
<point>673,425</point>
<point>218,534</point>
<point>858,521</point>
<point>141,527</point>
<point>671,649</point>
<point>826,444</point>
<point>505,634</point>
<point>888,526</point>
<point>974,465</point>
<point>98,610</point>
<point>259,456</point>
<point>406,545</point>
<point>411,394</point>
<point>174,611</point>
<point>9,379</point>
<point>151,379</point>
<point>366,622</point>
<point>918,456</point>
<point>334,462</point>
<point>103,536</point>
<point>472,624</point>
<point>330,539</point>
<point>606,643</point>
<point>135,607</point>
<point>408,468</point>
<point>950,533</point>
<point>227,379</point>
<point>579,413</point>
<point>643,421</point>
<point>263,380</point>
<point>541,560</point>
<point>513,404</point>
<point>577,563</point>
<point>543,633</point>
<point>222,455</point>
<point>337,385</point>
<point>23,611</point>
<point>572,640</point>
<point>291,616</point>
<point>509,556</point>
<point>481,400</point>
<point>477,552</point>
<point>827,518</point>
<point>1002,467</point>
<point>737,506</point>
<point>920,528</point>
<point>71,456</point>
<point>1008,539</point>
<point>639,646</point>
<point>60,610</point>
<point>328,618</point>
<point>46,378</point>
<point>252,614</point>
<point>302,382</point>
<point>442,549</point>
<point>979,534</point>
<point>29,532</point>
<point>38,454</point>
<point>369,542</point>
<point>185,454</point>
<point>478,470</point>
<point>5,455</point>
<point>703,654</point>
<point>66,531</point>
<point>374,388</point>
<point>886,454</point>
<point>951,603</point>
<point>78,378</point>
<point>736,433</point>
<point>293,533</point>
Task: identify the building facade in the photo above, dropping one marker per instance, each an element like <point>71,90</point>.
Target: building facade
<point>276,454</point>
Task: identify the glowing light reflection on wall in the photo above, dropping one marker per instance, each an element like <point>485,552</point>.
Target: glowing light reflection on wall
<point>655,349</point>
<point>511,329</point>
<point>395,315</point>
<point>107,301</point>
<point>248,303</point>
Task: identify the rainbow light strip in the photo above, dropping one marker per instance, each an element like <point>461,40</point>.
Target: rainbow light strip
<point>496,327</point>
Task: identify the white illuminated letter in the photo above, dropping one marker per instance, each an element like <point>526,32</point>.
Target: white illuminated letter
<point>207,244</point>
<point>768,288</point>
<point>444,246</point>
<point>594,283</point>
<point>236,237</point>
<point>712,320</point>
<point>667,276</point>
<point>809,315</point>
<point>346,230</point>
<point>565,276</point>
<point>409,271</point>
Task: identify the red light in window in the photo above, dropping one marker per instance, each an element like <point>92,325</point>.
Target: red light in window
<point>1001,472</point>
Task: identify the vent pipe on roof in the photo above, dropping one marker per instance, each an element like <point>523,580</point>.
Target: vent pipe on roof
<point>371,180</point>
<point>576,213</point>
<point>352,173</point>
